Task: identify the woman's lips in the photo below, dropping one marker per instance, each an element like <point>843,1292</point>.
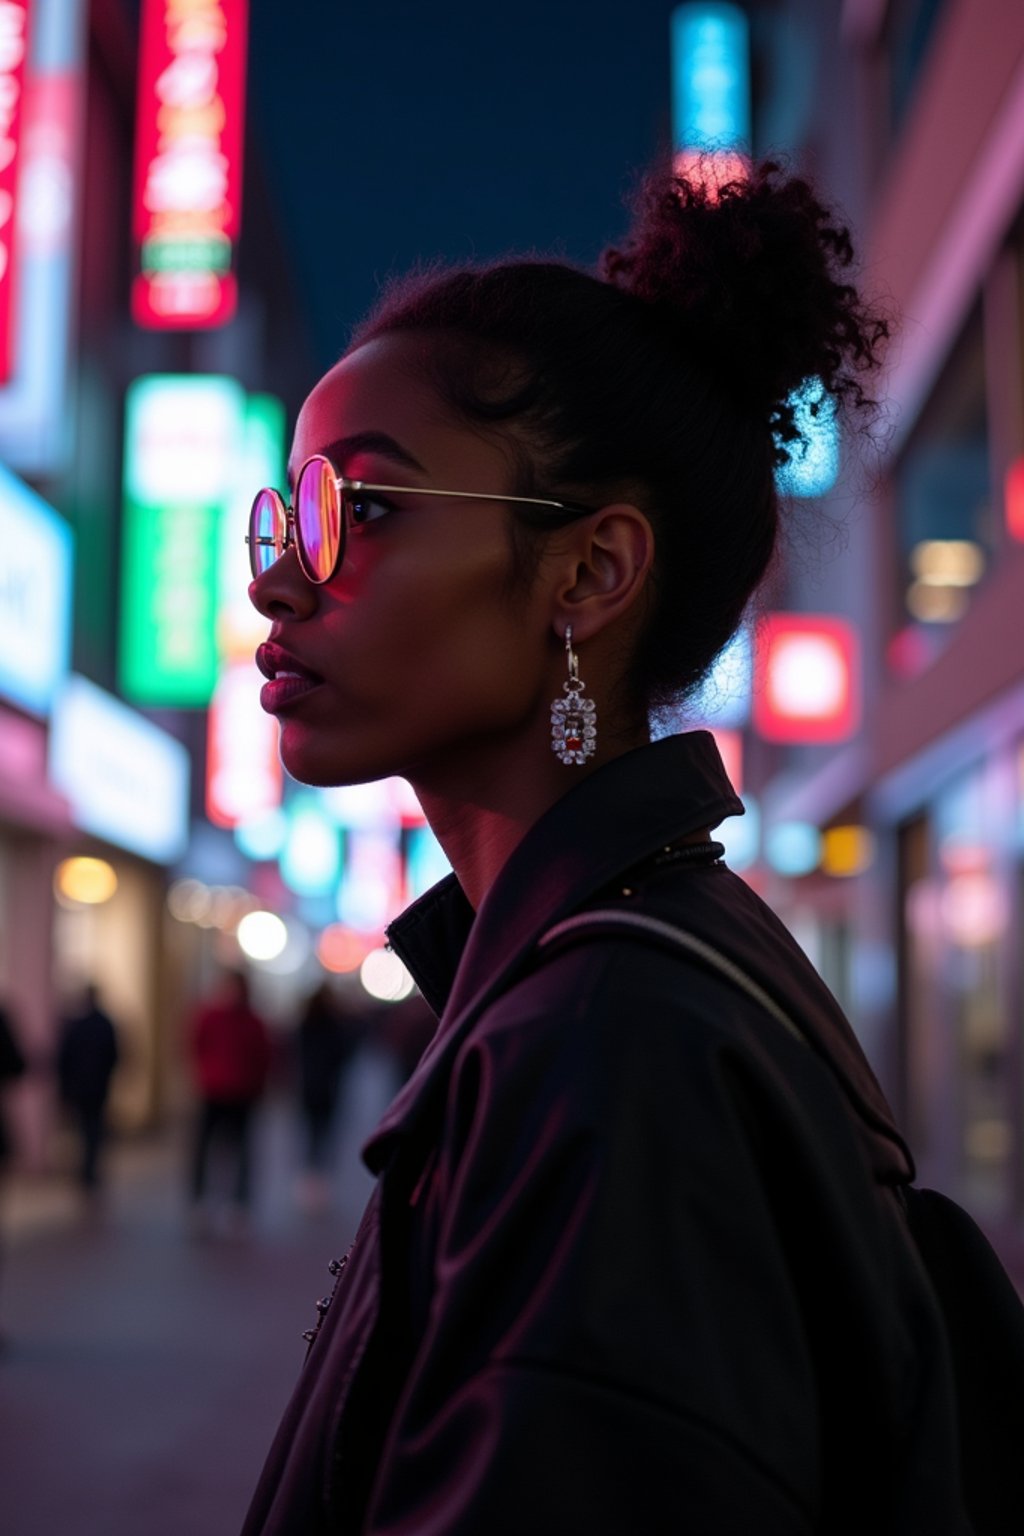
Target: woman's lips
<point>285,689</point>
<point>287,679</point>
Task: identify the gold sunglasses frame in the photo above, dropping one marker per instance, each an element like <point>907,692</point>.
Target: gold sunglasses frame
<point>346,486</point>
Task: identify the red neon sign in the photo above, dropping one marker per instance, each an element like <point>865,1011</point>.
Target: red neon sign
<point>13,51</point>
<point>188,161</point>
<point>1015,499</point>
<point>806,679</point>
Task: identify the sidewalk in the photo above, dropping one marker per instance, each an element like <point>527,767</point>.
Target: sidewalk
<point>146,1371</point>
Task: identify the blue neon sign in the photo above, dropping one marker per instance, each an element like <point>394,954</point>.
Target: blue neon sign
<point>35,596</point>
<point>710,77</point>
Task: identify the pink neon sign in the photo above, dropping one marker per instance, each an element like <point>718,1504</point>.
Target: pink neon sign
<point>14,18</point>
<point>188,161</point>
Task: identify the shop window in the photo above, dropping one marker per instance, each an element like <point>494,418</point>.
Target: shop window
<point>957,904</point>
<point>945,518</point>
<point>910,29</point>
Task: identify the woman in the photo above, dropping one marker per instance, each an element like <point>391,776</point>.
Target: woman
<point>634,1262</point>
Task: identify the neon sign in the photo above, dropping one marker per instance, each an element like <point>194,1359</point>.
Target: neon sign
<point>126,779</point>
<point>35,596</point>
<point>181,442</point>
<point>188,168</point>
<point>710,90</point>
<point>807,679</point>
<point>36,435</point>
<point>13,49</point>
<point>1014,497</point>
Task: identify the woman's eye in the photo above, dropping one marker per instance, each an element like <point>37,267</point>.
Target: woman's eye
<point>367,509</point>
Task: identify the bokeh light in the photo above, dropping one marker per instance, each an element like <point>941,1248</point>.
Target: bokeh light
<point>84,881</point>
<point>385,977</point>
<point>262,935</point>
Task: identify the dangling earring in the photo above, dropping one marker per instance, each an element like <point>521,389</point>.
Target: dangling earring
<point>574,718</point>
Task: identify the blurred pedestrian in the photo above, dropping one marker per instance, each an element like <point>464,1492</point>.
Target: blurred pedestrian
<point>87,1055</point>
<point>327,1036</point>
<point>12,1065</point>
<point>229,1049</point>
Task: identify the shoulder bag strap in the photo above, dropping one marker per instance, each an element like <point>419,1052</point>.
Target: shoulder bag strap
<point>605,920</point>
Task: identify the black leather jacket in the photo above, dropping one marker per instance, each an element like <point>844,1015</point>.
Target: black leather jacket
<point>634,1262</point>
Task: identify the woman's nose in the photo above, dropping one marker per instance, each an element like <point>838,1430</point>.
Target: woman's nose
<point>281,591</point>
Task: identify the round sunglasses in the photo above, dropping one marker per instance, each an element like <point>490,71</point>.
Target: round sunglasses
<point>327,505</point>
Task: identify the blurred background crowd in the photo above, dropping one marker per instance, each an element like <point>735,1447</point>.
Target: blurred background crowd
<point>197,199</point>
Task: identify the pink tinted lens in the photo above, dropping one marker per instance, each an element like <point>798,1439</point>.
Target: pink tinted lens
<point>318,519</point>
<point>268,523</point>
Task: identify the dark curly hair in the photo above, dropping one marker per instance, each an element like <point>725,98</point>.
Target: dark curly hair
<point>667,379</point>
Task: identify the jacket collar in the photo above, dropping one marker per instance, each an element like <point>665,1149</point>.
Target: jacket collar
<point>618,816</point>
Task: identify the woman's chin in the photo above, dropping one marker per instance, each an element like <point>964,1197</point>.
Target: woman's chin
<point>322,766</point>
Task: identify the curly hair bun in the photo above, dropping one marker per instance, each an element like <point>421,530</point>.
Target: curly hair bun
<point>750,274</point>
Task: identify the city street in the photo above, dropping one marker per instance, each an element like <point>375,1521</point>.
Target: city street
<point>146,1369</point>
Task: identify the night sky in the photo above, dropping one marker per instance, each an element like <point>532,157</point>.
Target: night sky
<point>393,132</point>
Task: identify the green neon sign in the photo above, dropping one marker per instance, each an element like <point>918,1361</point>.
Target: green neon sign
<point>182,442</point>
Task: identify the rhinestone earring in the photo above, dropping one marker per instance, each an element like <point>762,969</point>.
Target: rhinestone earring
<point>574,718</point>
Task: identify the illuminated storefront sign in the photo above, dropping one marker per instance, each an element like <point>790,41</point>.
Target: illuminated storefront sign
<point>188,169</point>
<point>14,19</point>
<point>181,442</point>
<point>35,596</point>
<point>807,679</point>
<point>127,780</point>
<point>35,422</point>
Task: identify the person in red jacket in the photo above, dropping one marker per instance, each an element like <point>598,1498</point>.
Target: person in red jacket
<point>230,1055</point>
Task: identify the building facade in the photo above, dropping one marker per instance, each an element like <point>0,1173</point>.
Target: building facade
<point>912,116</point>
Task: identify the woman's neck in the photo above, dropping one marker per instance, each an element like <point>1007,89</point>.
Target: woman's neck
<point>480,818</point>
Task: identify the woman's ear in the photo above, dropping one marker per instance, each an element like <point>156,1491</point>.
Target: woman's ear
<point>606,569</point>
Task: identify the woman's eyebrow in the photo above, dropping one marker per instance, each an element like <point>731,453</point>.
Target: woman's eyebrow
<point>344,448</point>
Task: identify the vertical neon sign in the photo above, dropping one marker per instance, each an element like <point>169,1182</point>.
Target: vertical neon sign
<point>710,89</point>
<point>188,166</point>
<point>182,437</point>
<point>13,50</point>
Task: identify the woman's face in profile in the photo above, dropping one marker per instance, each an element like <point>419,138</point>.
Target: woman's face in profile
<point>415,657</point>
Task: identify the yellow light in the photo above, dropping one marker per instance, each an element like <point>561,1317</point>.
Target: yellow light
<point>88,882</point>
<point>847,851</point>
<point>948,562</point>
<point>932,604</point>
